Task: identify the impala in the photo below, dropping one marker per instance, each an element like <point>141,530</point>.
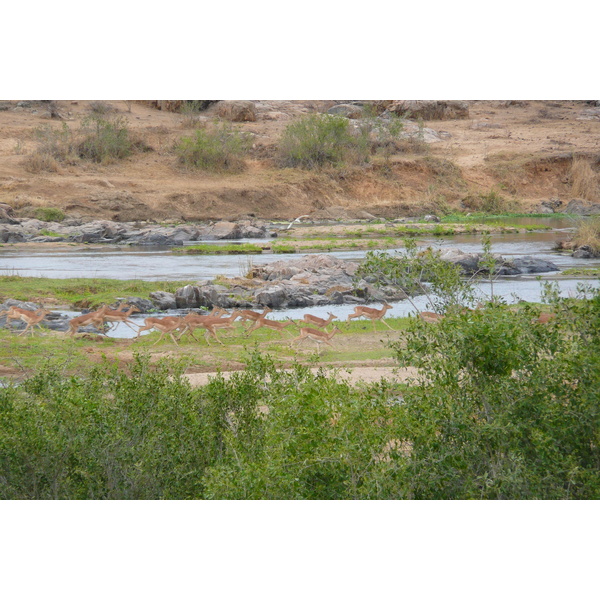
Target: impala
<point>118,316</point>
<point>252,315</point>
<point>210,323</point>
<point>321,337</point>
<point>371,313</point>
<point>276,325</point>
<point>312,320</point>
<point>29,317</point>
<point>94,317</point>
<point>164,325</point>
<point>430,317</point>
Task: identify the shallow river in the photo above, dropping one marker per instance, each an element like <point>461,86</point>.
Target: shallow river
<point>156,264</point>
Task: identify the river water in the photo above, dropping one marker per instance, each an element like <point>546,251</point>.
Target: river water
<point>160,264</point>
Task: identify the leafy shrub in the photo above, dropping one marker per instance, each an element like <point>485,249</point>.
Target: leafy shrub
<point>318,140</point>
<point>55,145</point>
<point>219,148</point>
<point>49,213</point>
<point>105,139</point>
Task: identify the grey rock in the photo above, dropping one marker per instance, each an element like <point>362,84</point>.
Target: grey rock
<point>224,230</point>
<point>145,306</point>
<point>578,206</point>
<point>237,110</point>
<point>188,297</point>
<point>530,264</point>
<point>431,219</point>
<point>273,297</point>
<point>349,111</point>
<point>163,300</point>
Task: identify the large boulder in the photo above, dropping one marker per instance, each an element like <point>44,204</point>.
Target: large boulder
<point>225,230</point>
<point>273,297</point>
<point>349,111</point>
<point>163,300</point>
<point>530,264</point>
<point>237,110</point>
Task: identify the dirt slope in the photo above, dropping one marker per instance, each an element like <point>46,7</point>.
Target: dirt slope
<point>523,151</point>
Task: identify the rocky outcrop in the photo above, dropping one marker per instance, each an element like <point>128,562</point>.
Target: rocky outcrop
<point>237,110</point>
<point>581,207</point>
<point>350,111</point>
<point>314,280</point>
<point>431,110</point>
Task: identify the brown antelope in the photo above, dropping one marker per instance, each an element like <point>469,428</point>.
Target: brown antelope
<point>545,317</point>
<point>371,313</point>
<point>430,317</point>
<point>94,317</point>
<point>276,325</point>
<point>164,325</point>
<point>252,315</point>
<point>210,323</point>
<point>321,337</point>
<point>118,316</point>
<point>317,321</point>
<point>29,317</point>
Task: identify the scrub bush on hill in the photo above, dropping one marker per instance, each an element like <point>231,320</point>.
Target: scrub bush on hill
<point>316,141</point>
<point>217,148</point>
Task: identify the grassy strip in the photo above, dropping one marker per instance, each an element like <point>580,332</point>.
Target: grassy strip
<point>219,249</point>
<point>356,341</point>
<point>483,217</point>
<point>79,293</point>
<point>583,271</point>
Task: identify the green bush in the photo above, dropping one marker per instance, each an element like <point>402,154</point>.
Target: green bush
<point>48,213</point>
<point>219,148</point>
<point>105,139</point>
<point>491,202</point>
<point>318,140</point>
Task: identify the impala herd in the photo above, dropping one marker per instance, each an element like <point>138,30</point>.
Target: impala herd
<point>189,323</point>
<point>215,320</point>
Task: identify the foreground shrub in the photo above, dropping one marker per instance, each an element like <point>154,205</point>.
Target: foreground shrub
<point>217,148</point>
<point>319,140</point>
<point>505,407</point>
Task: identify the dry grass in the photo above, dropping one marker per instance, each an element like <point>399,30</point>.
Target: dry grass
<point>39,162</point>
<point>588,234</point>
<point>584,181</point>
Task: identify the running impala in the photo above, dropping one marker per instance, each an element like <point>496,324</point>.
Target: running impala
<point>371,313</point>
<point>317,321</point>
<point>321,337</point>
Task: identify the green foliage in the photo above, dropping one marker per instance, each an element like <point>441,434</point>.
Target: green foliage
<point>420,273</point>
<point>504,408</point>
<point>316,141</point>
<point>49,233</point>
<point>105,139</point>
<point>219,148</point>
<point>508,407</point>
<point>49,213</point>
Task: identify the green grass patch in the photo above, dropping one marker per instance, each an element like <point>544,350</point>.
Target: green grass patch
<point>49,233</point>
<point>48,213</point>
<point>582,271</point>
<point>80,293</point>
<point>283,249</point>
<point>219,249</point>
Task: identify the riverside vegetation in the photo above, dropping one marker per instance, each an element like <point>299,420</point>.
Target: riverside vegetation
<point>504,404</point>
